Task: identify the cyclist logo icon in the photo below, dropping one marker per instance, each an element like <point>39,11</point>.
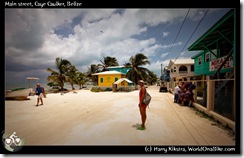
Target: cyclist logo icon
<point>13,142</point>
<point>13,139</point>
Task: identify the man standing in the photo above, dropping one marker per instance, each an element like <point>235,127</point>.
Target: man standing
<point>176,91</point>
<point>142,106</point>
<point>39,93</point>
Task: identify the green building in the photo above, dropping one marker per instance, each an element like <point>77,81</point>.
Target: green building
<point>216,57</point>
<point>216,64</point>
<point>121,69</point>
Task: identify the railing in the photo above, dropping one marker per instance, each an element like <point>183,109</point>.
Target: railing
<point>183,72</point>
<point>223,98</point>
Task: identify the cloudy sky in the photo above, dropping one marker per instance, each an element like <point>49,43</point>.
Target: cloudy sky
<point>34,38</point>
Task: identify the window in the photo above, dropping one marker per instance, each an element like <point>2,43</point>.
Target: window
<point>207,57</point>
<point>116,79</point>
<point>199,60</point>
<point>192,68</point>
<point>214,54</point>
<point>183,68</point>
<point>174,69</point>
<point>101,80</point>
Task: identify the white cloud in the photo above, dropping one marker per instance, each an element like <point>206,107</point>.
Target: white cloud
<point>165,34</point>
<point>156,66</point>
<point>164,55</point>
<point>35,37</point>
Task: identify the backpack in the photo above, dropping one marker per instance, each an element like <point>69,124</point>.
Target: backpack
<point>147,98</point>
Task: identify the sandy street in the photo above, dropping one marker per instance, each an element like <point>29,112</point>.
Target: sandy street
<point>109,118</point>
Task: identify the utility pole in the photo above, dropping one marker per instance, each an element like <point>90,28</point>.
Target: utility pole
<point>161,70</point>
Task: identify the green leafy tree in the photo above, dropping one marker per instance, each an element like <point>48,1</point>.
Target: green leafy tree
<point>137,72</point>
<point>80,79</point>
<point>91,70</point>
<point>107,62</point>
<point>58,77</point>
<point>70,75</point>
<point>151,78</point>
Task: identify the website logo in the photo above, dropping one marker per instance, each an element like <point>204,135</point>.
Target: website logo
<point>12,142</point>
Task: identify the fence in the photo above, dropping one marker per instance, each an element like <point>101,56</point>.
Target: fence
<point>216,97</point>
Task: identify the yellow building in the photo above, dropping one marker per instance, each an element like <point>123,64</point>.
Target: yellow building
<point>107,78</point>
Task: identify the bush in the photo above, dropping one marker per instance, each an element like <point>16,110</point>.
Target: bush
<point>100,89</point>
<point>95,89</point>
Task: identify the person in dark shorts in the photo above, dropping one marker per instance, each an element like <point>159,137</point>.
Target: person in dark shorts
<point>39,93</point>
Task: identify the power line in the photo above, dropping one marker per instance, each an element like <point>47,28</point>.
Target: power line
<point>178,33</point>
<point>192,34</point>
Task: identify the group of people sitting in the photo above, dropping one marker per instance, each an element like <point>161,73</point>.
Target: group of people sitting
<point>183,92</point>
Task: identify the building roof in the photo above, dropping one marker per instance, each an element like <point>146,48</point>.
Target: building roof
<point>122,69</point>
<point>123,79</point>
<point>221,30</point>
<point>197,55</point>
<point>116,67</point>
<point>184,61</point>
<point>108,73</point>
<point>181,62</point>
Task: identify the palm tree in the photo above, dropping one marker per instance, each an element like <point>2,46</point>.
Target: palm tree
<point>152,78</point>
<point>108,61</point>
<point>91,70</point>
<point>137,72</point>
<point>80,79</point>
<point>59,77</point>
<point>70,74</point>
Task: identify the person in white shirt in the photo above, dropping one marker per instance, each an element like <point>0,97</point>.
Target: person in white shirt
<point>176,91</point>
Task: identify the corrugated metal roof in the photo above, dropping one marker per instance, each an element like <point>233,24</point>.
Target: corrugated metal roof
<point>108,73</point>
<point>116,67</point>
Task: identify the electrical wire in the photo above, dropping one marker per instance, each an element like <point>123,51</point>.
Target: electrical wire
<point>178,33</point>
<point>192,34</point>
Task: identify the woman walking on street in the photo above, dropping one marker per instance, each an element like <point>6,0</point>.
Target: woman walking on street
<point>39,92</point>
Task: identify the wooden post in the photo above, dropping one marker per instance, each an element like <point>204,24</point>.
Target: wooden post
<point>210,95</point>
<point>195,91</point>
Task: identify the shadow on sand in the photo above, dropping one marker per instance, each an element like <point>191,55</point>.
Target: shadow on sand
<point>136,125</point>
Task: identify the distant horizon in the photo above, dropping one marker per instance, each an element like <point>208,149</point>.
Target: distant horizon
<point>12,85</point>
